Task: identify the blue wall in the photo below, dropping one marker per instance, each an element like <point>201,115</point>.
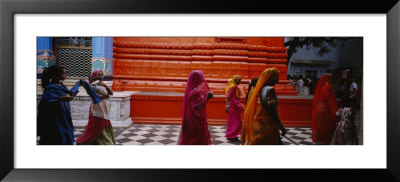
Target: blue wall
<point>102,49</point>
<point>43,43</point>
<point>44,54</point>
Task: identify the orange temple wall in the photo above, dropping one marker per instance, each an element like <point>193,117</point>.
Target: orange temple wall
<point>162,64</point>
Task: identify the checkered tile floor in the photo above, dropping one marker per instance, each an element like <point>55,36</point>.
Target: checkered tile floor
<point>151,134</point>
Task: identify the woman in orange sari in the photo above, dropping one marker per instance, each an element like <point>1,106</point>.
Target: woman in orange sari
<point>261,122</point>
<point>324,109</point>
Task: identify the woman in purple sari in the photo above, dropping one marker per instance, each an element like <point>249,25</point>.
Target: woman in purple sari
<point>194,129</point>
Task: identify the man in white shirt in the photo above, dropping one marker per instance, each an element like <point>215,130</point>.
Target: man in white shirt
<point>300,84</point>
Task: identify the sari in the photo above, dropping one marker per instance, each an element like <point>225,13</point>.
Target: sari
<point>194,130</point>
<point>234,123</point>
<point>345,133</point>
<point>231,83</point>
<point>324,108</point>
<point>252,84</point>
<point>54,121</point>
<point>260,126</point>
<point>99,130</point>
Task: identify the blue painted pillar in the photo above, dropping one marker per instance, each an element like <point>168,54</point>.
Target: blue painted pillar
<point>102,49</point>
<point>44,53</point>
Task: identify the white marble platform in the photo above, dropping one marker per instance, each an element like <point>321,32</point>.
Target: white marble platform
<point>120,106</point>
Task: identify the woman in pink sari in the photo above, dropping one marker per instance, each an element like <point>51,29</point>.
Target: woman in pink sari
<point>194,129</point>
<point>234,109</point>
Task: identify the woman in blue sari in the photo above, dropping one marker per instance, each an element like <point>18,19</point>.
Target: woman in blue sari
<point>54,122</point>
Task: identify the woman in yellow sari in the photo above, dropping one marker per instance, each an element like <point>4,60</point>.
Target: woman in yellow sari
<point>261,122</point>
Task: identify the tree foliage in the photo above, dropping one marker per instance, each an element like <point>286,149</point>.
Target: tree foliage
<point>323,43</point>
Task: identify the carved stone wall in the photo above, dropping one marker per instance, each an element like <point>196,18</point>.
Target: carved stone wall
<point>163,64</point>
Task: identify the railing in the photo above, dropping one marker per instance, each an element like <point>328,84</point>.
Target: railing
<point>74,41</point>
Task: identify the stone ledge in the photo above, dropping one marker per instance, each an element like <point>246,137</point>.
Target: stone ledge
<point>120,108</point>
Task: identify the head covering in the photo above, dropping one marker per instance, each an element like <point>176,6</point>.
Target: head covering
<point>93,75</point>
<point>251,85</point>
<point>194,117</point>
<point>267,76</point>
<point>231,83</point>
<point>324,109</point>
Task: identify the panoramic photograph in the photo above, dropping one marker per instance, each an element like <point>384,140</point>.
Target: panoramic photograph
<point>199,90</point>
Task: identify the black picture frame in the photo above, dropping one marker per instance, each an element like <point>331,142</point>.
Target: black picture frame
<point>9,8</point>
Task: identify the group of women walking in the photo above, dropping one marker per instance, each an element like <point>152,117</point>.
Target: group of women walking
<point>261,124</point>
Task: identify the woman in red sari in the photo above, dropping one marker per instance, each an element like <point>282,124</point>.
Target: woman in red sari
<point>324,109</point>
<point>194,129</point>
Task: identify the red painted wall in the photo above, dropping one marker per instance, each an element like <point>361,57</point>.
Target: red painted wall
<point>168,110</point>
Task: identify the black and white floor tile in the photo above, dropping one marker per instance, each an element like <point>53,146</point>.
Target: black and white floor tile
<point>153,134</point>
<point>297,136</point>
